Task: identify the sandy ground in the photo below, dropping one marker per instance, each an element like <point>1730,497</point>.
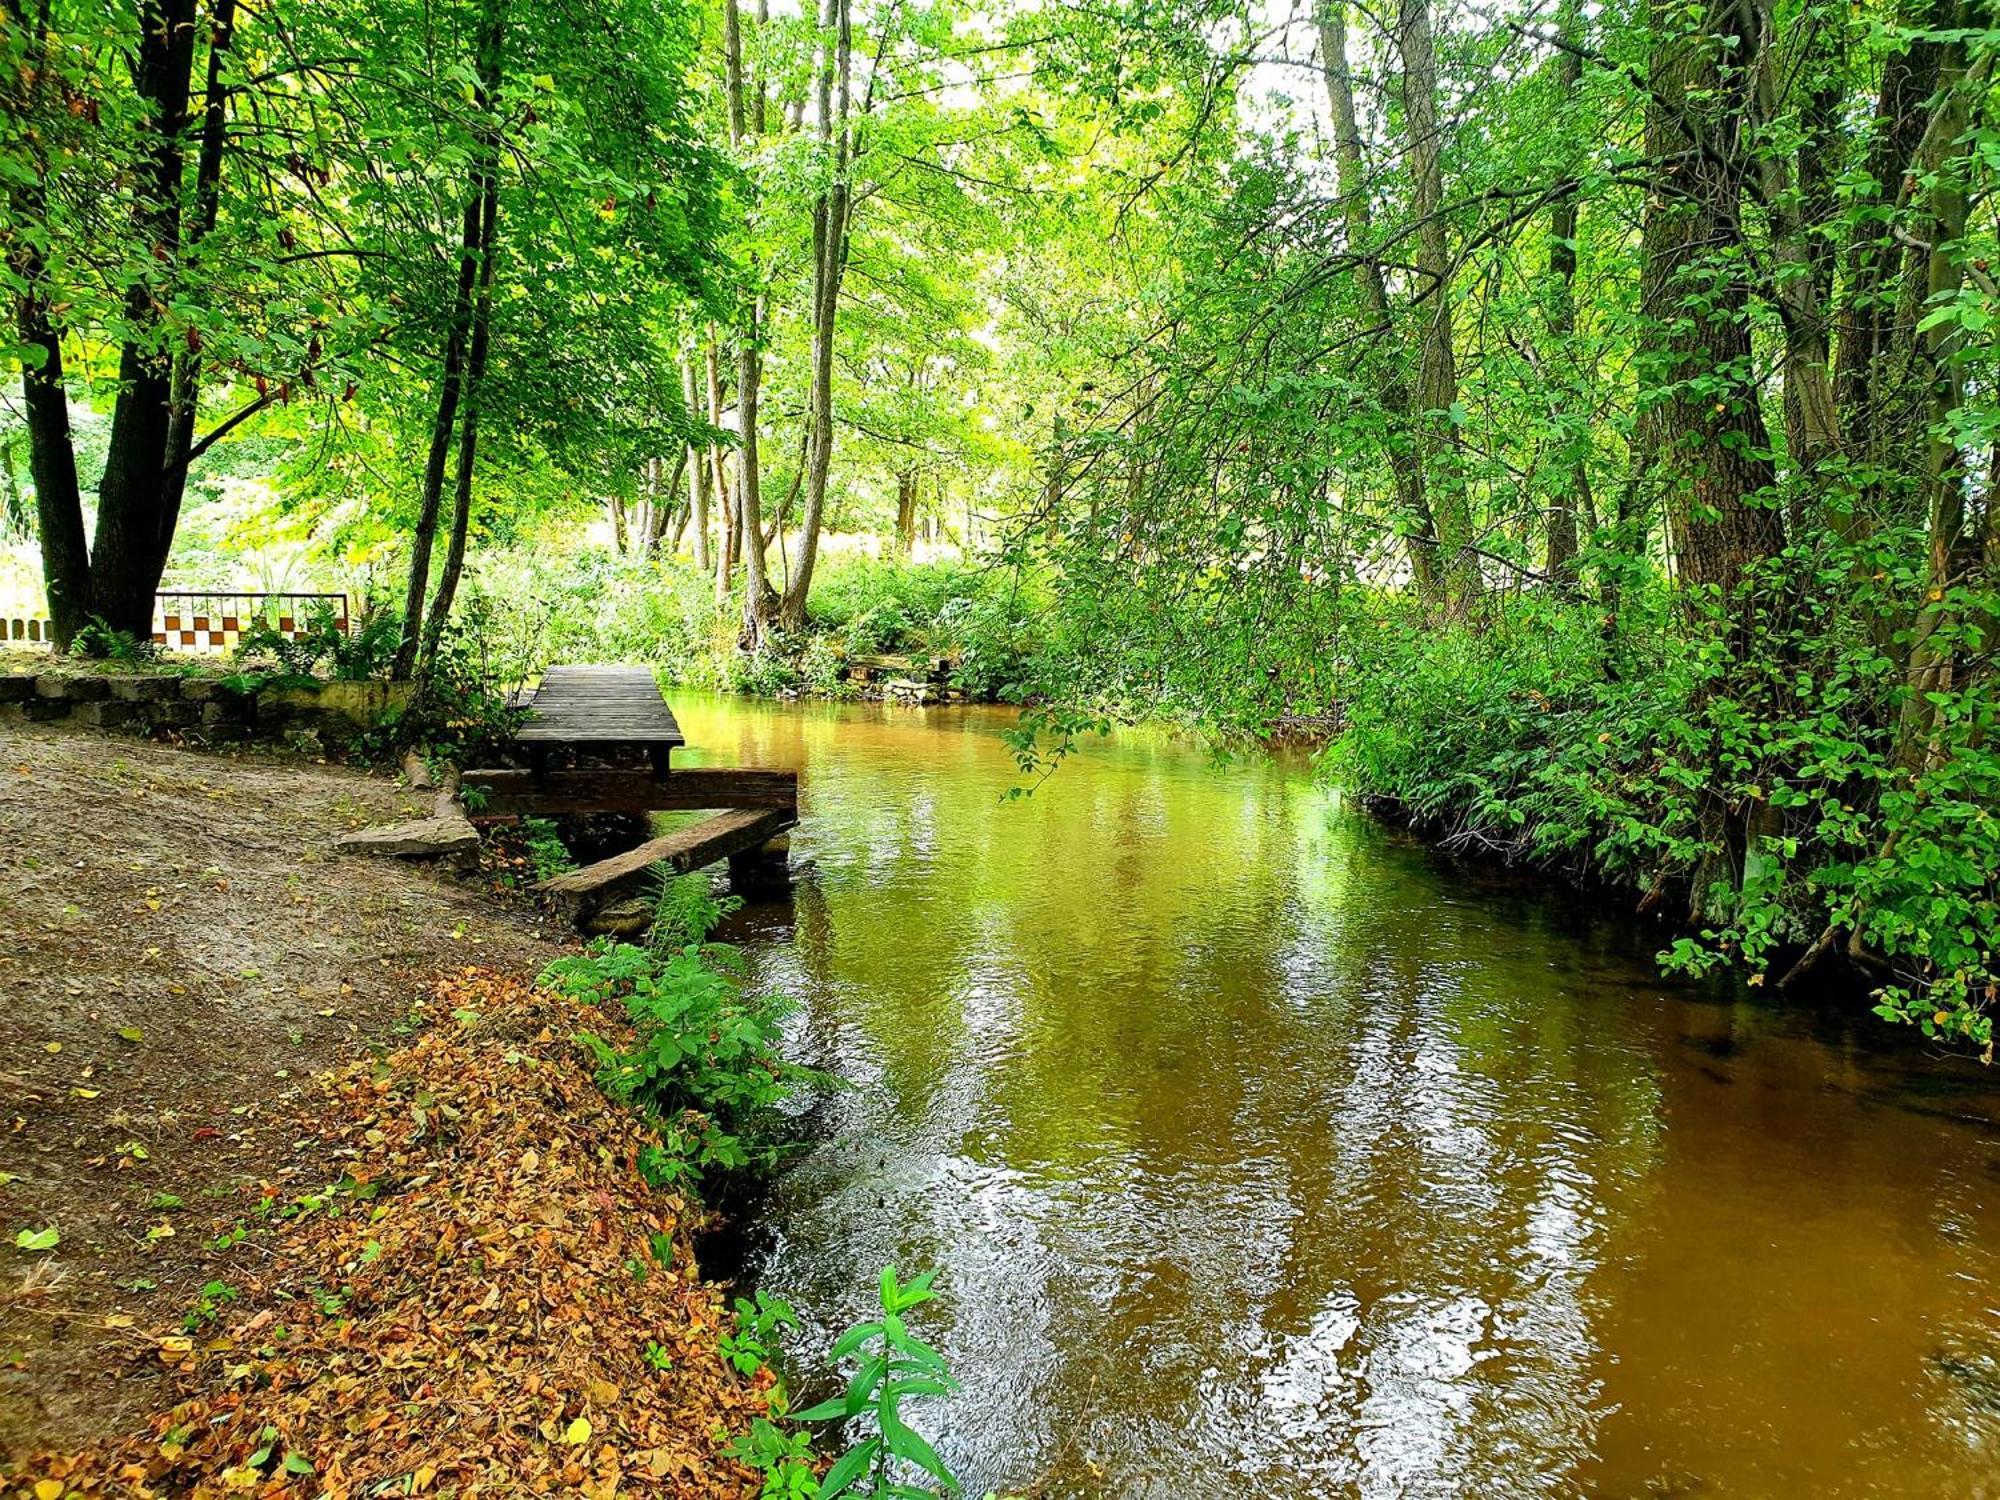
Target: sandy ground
<point>180,949</point>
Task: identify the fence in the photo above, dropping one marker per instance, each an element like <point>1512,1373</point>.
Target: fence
<point>212,624</point>
<point>204,623</point>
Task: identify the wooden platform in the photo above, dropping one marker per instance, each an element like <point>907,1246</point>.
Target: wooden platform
<point>598,709</point>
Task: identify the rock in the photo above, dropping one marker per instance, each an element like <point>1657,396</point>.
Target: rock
<point>38,709</point>
<point>416,773</point>
<point>71,689</point>
<point>16,687</point>
<point>104,714</point>
<point>627,918</point>
<point>425,838</point>
<point>198,689</point>
<point>146,689</point>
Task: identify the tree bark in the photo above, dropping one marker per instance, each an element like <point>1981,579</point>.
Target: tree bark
<point>1572,488</point>
<point>51,447</point>
<point>696,460</point>
<point>1434,408</point>
<point>906,512</point>
<point>830,221</point>
<point>475,373</point>
<point>207,207</point>
<point>749,371</point>
<point>125,555</point>
<point>1392,391</point>
<point>1710,443</point>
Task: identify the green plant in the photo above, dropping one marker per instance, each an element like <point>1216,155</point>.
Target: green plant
<point>703,1066</point>
<point>753,1345</point>
<point>321,647</point>
<point>891,1366</point>
<point>686,910</point>
<point>784,1459</point>
<point>546,850</point>
<point>97,640</point>
<point>208,1305</point>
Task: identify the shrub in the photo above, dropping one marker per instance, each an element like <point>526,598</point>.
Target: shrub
<point>703,1065</point>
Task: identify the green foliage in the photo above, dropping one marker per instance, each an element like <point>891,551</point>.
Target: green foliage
<point>685,911</point>
<point>759,1324</point>
<point>100,642</point>
<point>891,1367</point>
<point>703,1066</point>
<point>1780,811</point>
<point>321,648</point>
<point>547,853</point>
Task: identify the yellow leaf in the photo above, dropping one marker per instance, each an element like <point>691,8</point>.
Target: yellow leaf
<point>48,1489</point>
<point>578,1431</point>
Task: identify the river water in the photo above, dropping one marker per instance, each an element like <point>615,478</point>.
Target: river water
<point>1262,1156</point>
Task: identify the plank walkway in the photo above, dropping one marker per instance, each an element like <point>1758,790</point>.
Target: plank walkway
<point>599,708</point>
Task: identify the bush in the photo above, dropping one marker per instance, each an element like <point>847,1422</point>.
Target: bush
<point>703,1065</point>
<point>322,649</point>
<point>1758,785</point>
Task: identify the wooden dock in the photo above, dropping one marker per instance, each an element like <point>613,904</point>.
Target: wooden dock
<point>601,712</point>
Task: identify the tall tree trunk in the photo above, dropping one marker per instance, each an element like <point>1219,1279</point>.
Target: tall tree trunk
<point>125,556</point>
<point>698,470</point>
<point>906,512</point>
<point>207,207</point>
<point>430,495</point>
<point>749,370</point>
<point>1710,444</point>
<point>1937,371</point>
<point>725,495</point>
<point>1392,391</point>
<point>1799,193</point>
<point>1866,313</point>
<point>830,217</point>
<point>491,42</point>
<point>469,423</point>
<point>1572,481</point>
<point>51,447</point>
<point>472,255</point>
<point>1435,402</point>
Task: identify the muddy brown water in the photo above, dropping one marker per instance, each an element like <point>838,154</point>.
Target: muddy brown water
<point>1261,1156</point>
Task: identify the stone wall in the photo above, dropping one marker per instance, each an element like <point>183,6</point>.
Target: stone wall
<point>205,708</point>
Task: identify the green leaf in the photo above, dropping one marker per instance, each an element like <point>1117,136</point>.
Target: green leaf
<point>37,1239</point>
<point>851,1466</point>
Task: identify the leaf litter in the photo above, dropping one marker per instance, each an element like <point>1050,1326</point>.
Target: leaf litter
<point>478,1306</point>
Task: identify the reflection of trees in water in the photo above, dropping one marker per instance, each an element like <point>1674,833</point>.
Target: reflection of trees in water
<point>1251,1148</point>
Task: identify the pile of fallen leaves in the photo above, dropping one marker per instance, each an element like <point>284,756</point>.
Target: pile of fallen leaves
<point>489,1300</point>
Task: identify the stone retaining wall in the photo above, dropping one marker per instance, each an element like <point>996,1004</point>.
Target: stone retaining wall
<point>207,708</point>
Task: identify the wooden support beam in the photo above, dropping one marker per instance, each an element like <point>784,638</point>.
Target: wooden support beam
<point>521,794</point>
<point>585,891</point>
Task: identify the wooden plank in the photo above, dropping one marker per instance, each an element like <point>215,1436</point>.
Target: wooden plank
<point>519,794</point>
<point>599,706</point>
<point>685,849</point>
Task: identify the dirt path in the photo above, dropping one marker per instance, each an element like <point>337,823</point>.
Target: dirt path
<point>179,950</point>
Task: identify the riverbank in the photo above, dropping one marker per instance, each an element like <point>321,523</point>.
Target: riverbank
<point>268,1170</point>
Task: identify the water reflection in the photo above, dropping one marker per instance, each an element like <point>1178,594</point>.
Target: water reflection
<point>1263,1159</point>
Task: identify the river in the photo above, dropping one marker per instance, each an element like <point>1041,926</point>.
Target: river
<point>1263,1156</point>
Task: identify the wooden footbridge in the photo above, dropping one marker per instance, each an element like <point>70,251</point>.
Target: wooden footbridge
<point>582,722</point>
